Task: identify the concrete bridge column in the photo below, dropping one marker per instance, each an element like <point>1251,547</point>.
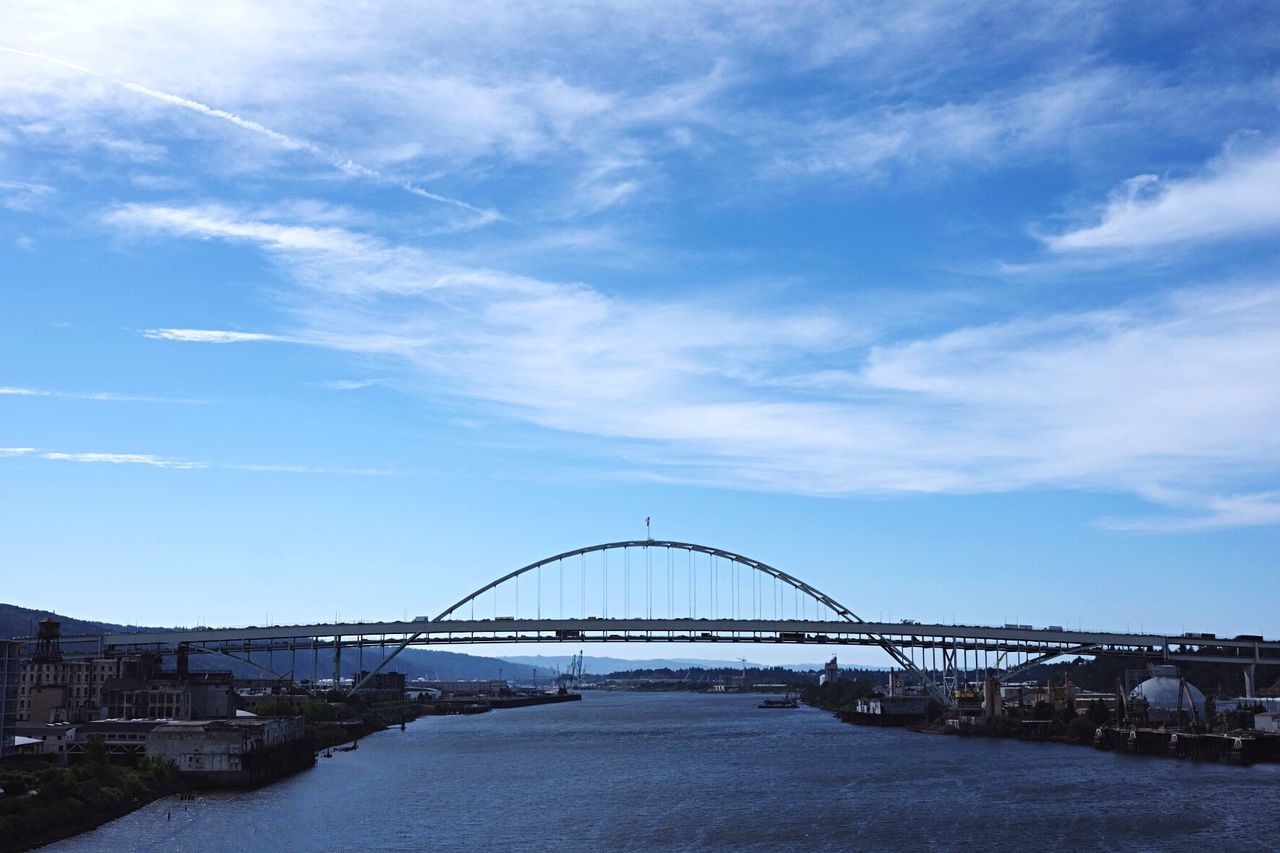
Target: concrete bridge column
<point>1248,680</point>
<point>992,701</point>
<point>337,664</point>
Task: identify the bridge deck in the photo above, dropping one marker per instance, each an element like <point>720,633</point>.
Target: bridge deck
<point>812,632</point>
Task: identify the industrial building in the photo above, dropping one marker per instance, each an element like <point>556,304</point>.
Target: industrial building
<point>242,751</point>
<point>830,673</point>
<point>9,675</point>
<point>1165,697</point>
<point>46,738</point>
<point>490,687</point>
<point>125,740</point>
<point>1268,721</point>
<point>53,688</point>
<point>381,686</point>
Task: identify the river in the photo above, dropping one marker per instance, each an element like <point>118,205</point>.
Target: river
<point>704,772</point>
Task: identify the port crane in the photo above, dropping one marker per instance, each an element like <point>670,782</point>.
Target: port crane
<point>571,676</point>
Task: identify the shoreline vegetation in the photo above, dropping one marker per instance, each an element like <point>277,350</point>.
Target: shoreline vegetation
<point>44,802</point>
<point>1232,741</point>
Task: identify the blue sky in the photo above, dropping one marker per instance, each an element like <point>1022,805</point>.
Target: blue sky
<point>954,312</point>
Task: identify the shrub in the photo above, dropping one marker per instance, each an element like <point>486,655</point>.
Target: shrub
<point>1080,730</point>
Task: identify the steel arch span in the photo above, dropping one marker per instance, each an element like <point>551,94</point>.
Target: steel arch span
<point>820,600</point>
<point>639,591</point>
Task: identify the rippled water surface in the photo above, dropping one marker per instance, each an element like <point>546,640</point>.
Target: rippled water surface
<point>697,772</point>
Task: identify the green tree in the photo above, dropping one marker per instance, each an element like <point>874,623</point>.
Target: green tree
<point>1080,730</point>
<point>95,751</point>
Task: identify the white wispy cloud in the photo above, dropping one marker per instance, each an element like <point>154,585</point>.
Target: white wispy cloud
<point>1140,397</point>
<point>532,104</point>
<point>989,129</point>
<point>350,384</point>
<point>104,396</point>
<point>153,461</point>
<point>517,86</point>
<point>123,459</point>
<point>346,165</point>
<point>1219,512</point>
<point>24,195</point>
<point>209,336</point>
<point>1235,196</point>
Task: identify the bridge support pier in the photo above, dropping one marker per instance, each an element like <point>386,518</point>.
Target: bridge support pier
<point>337,664</point>
<point>992,700</point>
<point>1248,680</point>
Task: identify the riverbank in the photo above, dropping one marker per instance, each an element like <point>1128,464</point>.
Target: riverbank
<point>1232,747</point>
<point>711,772</point>
<point>484,704</point>
<point>46,803</point>
<point>69,801</point>
<point>43,803</point>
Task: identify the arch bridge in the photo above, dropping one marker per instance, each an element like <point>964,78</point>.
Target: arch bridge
<point>647,591</point>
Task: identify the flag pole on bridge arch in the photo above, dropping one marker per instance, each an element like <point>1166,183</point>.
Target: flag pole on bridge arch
<point>647,532</point>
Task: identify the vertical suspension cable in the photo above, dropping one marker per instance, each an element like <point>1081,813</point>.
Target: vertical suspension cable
<point>671,583</point>
<point>715,588</point>
<point>693,589</point>
<point>648,582</point>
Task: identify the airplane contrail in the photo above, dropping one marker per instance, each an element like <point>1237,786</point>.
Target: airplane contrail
<point>292,143</point>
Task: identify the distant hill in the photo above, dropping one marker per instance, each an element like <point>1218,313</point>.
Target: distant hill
<point>606,665</point>
<point>21,622</point>
<point>414,663</point>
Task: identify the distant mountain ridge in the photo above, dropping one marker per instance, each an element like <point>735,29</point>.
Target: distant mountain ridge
<point>20,622</point>
<point>605,665</point>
